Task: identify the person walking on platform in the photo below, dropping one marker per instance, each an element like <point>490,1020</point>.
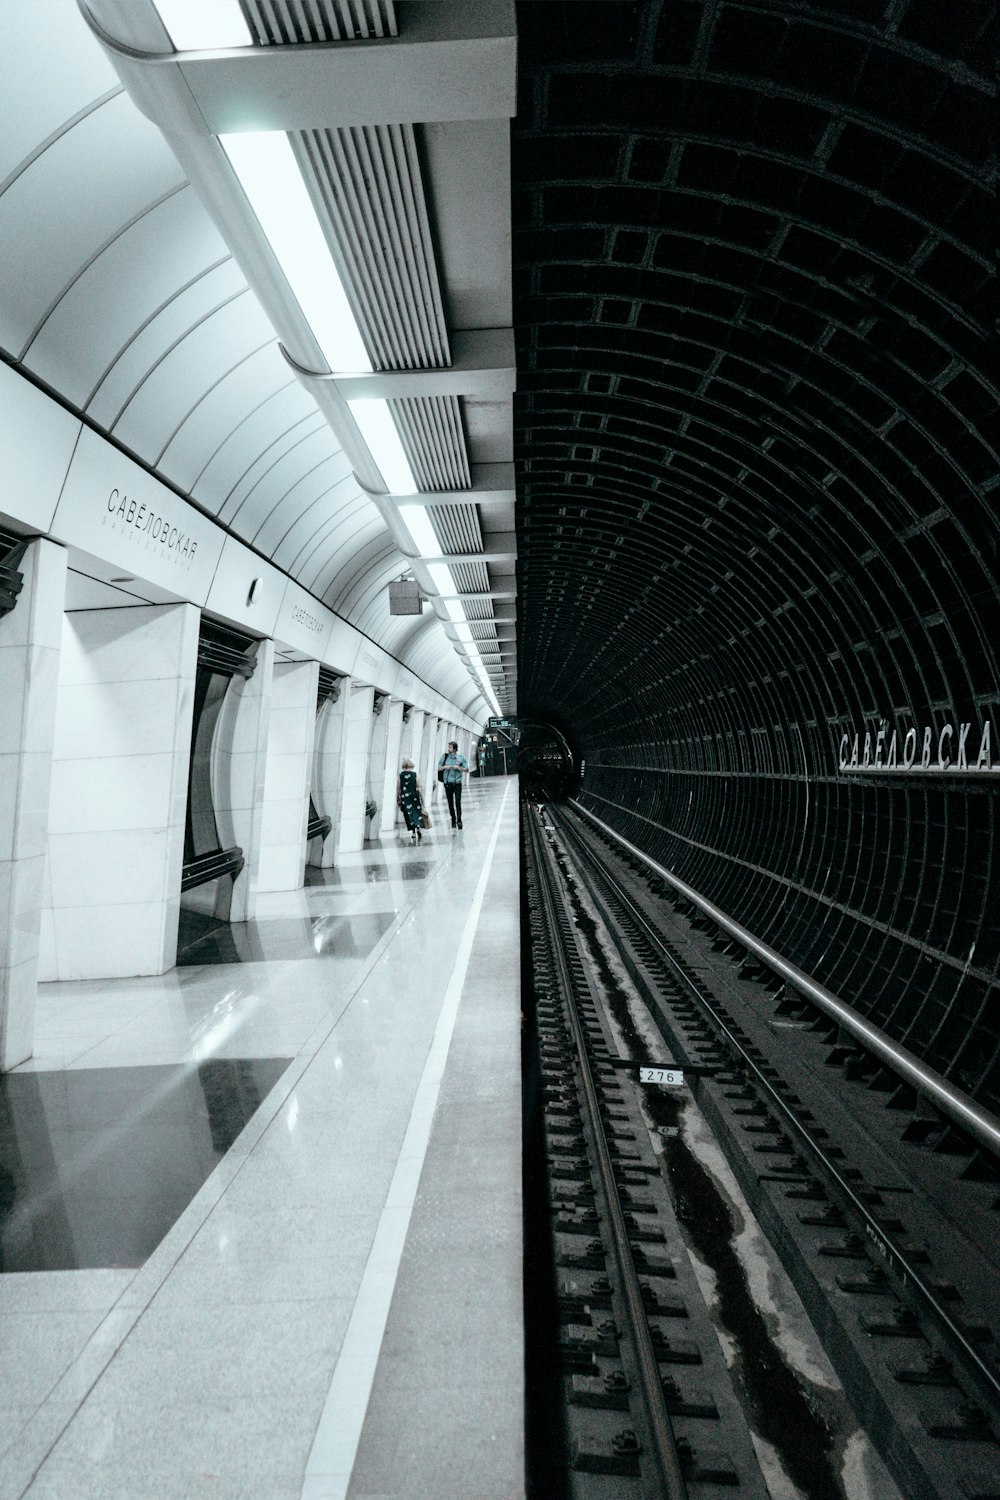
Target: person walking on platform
<point>451,768</point>
<point>410,799</point>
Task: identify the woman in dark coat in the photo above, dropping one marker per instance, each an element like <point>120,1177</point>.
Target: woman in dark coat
<point>410,798</point>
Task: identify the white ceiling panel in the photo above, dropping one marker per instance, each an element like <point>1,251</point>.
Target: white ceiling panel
<point>431,654</point>
<point>354,530</point>
<point>288,412</point>
<point>219,412</point>
<point>322,557</point>
<point>171,322</point>
<point>366,571</point>
<point>302,500</point>
<point>72,200</point>
<point>258,473</point>
<point>302,534</point>
<point>362,585</point>
<point>52,70</point>
<point>188,371</point>
<point>266,484</point>
<point>121,290</point>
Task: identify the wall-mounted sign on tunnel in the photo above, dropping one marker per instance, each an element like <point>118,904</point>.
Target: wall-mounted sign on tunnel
<point>964,749</point>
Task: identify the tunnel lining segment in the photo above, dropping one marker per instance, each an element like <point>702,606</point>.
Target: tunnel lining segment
<point>981,1124</point>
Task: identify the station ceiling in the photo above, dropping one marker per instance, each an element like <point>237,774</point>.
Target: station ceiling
<point>136,286</point>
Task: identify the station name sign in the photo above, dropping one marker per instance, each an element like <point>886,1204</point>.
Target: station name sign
<point>151,525</point>
<point>955,748</point>
<point>116,511</point>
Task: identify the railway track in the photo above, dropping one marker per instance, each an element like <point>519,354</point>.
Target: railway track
<point>885,1238</point>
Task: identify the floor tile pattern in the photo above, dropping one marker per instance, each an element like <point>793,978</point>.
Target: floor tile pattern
<point>96,1164</point>
<point>207,1369</point>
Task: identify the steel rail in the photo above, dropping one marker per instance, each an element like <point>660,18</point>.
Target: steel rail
<point>979,1123</point>
<point>884,1243</point>
<point>666,1448</point>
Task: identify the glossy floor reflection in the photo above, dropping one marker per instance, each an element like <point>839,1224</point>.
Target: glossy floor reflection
<point>96,1164</point>
<point>340,1241</point>
<point>317,936</point>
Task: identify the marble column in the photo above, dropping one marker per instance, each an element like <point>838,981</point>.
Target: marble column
<point>328,775</point>
<point>290,732</point>
<point>30,638</point>
<point>354,768</point>
<point>377,748</point>
<point>393,714</point>
<point>119,791</point>
<point>239,764</point>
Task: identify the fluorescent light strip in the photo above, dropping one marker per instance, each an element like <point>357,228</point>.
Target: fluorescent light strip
<point>483,678</point>
<point>265,164</point>
<point>421,528</point>
<point>269,175</point>
<point>378,429</point>
<point>444,583</point>
<point>204,25</point>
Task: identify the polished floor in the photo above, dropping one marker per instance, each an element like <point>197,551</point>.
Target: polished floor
<point>335,1314</point>
<point>96,1164</point>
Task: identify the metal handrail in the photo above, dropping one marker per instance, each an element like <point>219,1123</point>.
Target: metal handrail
<point>979,1123</point>
<point>210,866</point>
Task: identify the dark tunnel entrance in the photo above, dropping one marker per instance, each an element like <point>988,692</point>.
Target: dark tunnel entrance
<point>548,764</point>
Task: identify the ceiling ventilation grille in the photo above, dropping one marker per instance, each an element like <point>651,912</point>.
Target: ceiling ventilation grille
<point>484,630</point>
<point>471,578</point>
<point>366,185</point>
<point>457,528</point>
<point>276,22</point>
<point>478,609</point>
<point>431,431</point>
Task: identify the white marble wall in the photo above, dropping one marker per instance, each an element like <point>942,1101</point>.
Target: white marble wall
<point>393,715</point>
<point>328,762</point>
<point>119,792</point>
<point>430,754</point>
<point>354,767</point>
<point>30,638</point>
<point>290,733</point>
<point>239,762</point>
<point>406,738</point>
<point>377,750</point>
<point>417,741</point>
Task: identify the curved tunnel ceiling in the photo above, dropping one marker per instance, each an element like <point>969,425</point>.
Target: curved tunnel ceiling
<point>119,294</point>
<point>757,465</point>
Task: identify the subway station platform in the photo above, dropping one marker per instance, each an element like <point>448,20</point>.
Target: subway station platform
<point>261,1228</point>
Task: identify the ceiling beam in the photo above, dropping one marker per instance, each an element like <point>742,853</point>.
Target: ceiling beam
<point>492,484</point>
<point>483,364</point>
<point>452,62</point>
<point>504,553</point>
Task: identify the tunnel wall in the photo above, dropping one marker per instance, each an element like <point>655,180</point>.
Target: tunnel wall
<point>759,468</point>
<point>775,653</point>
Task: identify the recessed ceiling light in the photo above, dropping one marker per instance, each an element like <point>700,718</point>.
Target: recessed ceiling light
<point>125,578</point>
<point>379,431</point>
<point>265,164</point>
<point>203,25</point>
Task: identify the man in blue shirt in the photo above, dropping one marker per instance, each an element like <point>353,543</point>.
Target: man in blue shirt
<point>453,767</point>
